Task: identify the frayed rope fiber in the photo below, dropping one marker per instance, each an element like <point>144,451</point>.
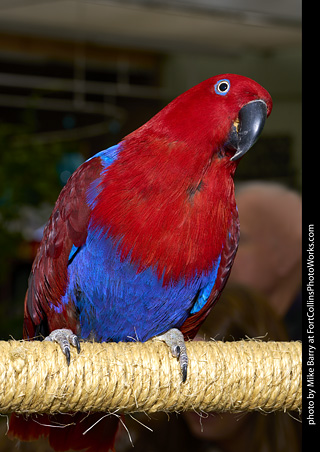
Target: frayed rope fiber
<point>134,377</point>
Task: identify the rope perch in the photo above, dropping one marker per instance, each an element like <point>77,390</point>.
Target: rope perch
<point>131,377</point>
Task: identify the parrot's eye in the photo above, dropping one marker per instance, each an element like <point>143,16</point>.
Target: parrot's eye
<point>222,87</point>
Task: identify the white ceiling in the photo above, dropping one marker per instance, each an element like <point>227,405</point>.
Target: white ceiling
<point>203,25</point>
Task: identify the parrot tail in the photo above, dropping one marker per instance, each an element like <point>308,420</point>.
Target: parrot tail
<point>93,432</point>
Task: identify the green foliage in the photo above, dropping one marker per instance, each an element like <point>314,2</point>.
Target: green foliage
<point>28,172</point>
<point>28,177</point>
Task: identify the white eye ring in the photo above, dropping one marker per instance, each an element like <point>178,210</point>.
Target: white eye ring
<point>222,87</point>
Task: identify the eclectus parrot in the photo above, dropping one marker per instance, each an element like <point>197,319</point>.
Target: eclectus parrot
<point>142,238</point>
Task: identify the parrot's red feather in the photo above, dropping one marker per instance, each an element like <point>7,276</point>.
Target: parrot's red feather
<point>94,433</point>
<point>167,225</point>
<point>67,226</point>
<point>191,326</point>
<point>168,199</point>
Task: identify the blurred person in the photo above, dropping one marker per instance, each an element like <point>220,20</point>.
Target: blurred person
<point>240,313</point>
<point>269,257</point>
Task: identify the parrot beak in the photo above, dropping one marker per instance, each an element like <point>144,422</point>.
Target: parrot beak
<point>247,128</point>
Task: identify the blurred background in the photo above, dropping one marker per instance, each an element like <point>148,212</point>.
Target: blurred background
<point>78,75</point>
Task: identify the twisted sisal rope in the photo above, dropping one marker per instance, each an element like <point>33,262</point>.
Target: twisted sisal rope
<point>130,377</point>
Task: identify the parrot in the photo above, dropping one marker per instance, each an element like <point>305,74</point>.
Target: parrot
<point>141,240</point>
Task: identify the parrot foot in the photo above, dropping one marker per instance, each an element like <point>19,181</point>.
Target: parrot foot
<point>175,340</point>
<point>64,338</point>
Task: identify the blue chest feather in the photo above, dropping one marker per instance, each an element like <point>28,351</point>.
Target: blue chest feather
<point>117,303</point>
<point>114,301</point>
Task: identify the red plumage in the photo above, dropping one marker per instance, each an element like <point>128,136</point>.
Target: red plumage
<point>66,431</point>
<point>178,152</point>
<point>67,226</point>
<point>159,227</point>
<point>191,326</point>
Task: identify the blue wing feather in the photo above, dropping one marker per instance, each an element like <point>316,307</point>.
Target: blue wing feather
<point>106,157</point>
<point>207,289</point>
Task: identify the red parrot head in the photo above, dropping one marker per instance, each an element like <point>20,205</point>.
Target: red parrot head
<point>227,112</point>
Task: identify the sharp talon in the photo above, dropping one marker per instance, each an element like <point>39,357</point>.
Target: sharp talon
<point>175,340</point>
<point>64,338</point>
<point>75,342</point>
<point>67,353</point>
<point>184,369</point>
<point>78,345</point>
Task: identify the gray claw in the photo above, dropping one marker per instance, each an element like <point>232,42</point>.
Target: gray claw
<point>64,338</point>
<point>175,340</point>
